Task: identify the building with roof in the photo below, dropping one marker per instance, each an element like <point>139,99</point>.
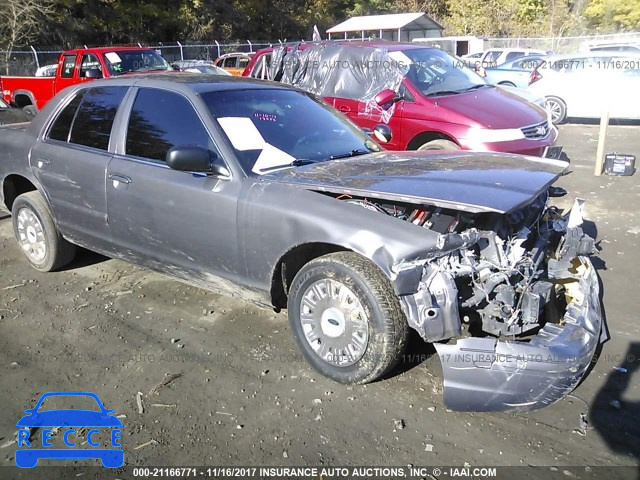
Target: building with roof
<point>402,27</point>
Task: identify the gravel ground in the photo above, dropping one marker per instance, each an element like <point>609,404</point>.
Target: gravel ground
<point>244,396</point>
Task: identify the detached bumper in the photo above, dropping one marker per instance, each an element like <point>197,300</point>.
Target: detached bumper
<point>487,374</point>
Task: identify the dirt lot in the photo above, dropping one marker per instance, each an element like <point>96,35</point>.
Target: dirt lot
<point>245,396</point>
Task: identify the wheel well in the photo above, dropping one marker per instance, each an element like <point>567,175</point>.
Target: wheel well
<point>425,137</point>
<point>21,100</point>
<point>291,263</point>
<point>13,186</point>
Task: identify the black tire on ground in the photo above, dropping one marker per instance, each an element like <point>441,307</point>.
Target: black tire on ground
<point>440,144</point>
<point>30,110</point>
<point>58,251</point>
<point>387,327</point>
<point>558,109</point>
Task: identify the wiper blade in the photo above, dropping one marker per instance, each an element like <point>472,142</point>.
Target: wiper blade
<point>442,92</point>
<point>296,163</point>
<point>475,87</point>
<point>352,153</point>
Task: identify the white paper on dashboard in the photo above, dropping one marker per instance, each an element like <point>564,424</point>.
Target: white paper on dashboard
<point>242,133</point>
<point>400,57</point>
<point>113,57</point>
<point>271,157</point>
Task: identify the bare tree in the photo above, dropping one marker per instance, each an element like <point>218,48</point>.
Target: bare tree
<point>20,22</point>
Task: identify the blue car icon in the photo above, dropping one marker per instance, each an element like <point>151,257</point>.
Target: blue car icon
<point>67,420</point>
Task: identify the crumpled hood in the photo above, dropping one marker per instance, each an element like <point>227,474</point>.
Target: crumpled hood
<point>467,181</point>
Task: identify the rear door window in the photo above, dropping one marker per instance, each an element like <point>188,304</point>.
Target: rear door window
<point>93,122</point>
<point>68,64</point>
<point>160,120</point>
<point>62,124</point>
<point>513,55</point>
<point>261,66</point>
<point>89,62</point>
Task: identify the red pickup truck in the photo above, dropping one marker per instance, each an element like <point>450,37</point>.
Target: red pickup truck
<point>75,66</point>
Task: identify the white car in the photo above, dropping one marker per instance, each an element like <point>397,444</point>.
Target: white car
<point>497,56</point>
<point>587,85</point>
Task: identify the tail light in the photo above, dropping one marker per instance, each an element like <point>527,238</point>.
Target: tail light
<point>535,76</point>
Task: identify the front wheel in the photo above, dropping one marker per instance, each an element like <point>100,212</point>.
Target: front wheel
<point>557,109</point>
<point>346,318</point>
<point>440,144</point>
<point>37,235</point>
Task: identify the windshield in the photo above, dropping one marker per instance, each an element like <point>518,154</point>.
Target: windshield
<point>435,72</point>
<point>277,128</point>
<point>66,402</point>
<point>130,61</point>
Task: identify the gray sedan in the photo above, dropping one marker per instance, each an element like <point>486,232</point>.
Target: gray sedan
<point>261,191</point>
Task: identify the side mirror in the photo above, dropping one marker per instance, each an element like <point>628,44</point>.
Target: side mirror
<point>194,159</point>
<point>382,133</point>
<point>93,73</point>
<point>385,97</point>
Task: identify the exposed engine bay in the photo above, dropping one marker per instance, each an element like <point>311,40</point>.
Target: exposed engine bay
<point>501,280</point>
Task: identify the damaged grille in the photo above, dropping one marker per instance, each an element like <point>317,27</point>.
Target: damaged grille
<point>537,131</point>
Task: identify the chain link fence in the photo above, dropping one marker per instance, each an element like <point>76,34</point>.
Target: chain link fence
<point>25,62</point>
<point>559,44</point>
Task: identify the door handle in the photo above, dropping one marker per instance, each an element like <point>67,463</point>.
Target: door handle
<point>119,178</point>
<point>43,161</point>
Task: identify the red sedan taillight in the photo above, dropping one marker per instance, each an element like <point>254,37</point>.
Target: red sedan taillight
<point>534,77</point>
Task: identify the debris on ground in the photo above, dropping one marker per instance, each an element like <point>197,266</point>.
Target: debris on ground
<point>173,405</point>
<point>398,424</point>
<point>139,402</point>
<point>168,378</point>
<point>615,404</point>
<point>150,442</point>
<point>428,448</point>
<point>583,425</point>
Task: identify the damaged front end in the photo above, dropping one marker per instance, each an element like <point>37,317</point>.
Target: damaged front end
<point>515,294</point>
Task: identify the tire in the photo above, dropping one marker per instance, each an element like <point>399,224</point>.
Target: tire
<point>37,235</point>
<point>439,144</point>
<point>376,334</point>
<point>558,109</point>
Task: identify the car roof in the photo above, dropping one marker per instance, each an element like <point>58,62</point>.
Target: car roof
<point>388,45</point>
<point>107,49</point>
<point>197,82</point>
<point>567,56</point>
<point>237,54</point>
<point>510,49</point>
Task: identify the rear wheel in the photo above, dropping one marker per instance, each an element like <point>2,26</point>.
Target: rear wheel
<point>557,109</point>
<point>346,318</point>
<point>440,144</point>
<point>37,235</point>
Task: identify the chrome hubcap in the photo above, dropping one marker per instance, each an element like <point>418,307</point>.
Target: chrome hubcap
<point>554,108</point>
<point>334,322</point>
<point>31,236</point>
